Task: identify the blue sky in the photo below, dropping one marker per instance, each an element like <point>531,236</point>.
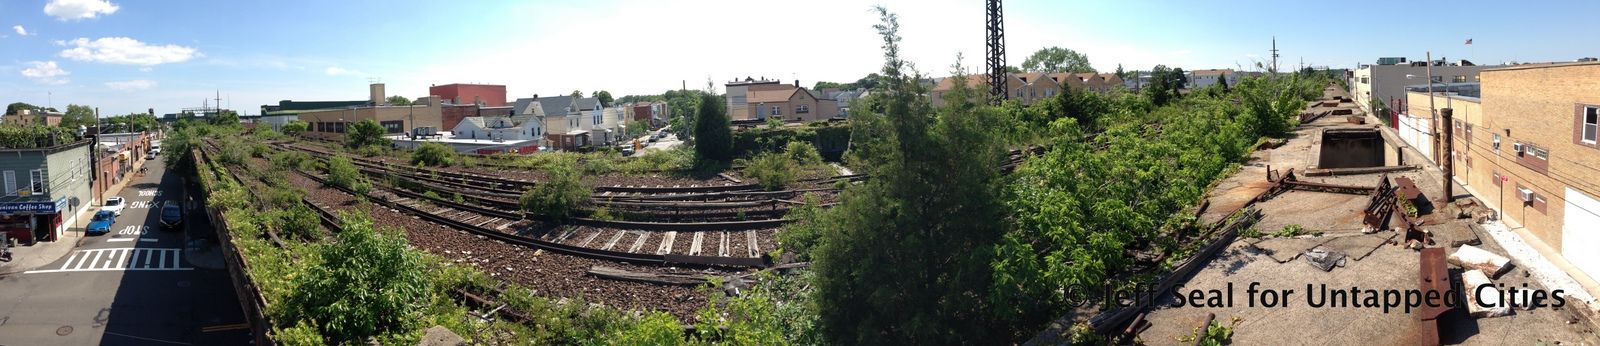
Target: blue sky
<point>175,53</point>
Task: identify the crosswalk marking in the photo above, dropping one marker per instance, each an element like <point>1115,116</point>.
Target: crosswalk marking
<point>120,259</point>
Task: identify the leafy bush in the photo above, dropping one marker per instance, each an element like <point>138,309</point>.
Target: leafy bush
<point>295,127</point>
<point>364,134</point>
<point>801,236</point>
<point>343,173</point>
<point>559,196</point>
<point>373,150</point>
<point>433,154</point>
<point>803,154</point>
<point>368,284</point>
<point>772,171</point>
<point>713,135</point>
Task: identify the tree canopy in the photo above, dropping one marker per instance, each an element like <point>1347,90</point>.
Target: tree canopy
<point>1057,59</point>
<point>365,133</point>
<point>604,96</point>
<point>397,100</point>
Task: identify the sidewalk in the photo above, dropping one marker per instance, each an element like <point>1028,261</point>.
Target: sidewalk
<point>25,258</point>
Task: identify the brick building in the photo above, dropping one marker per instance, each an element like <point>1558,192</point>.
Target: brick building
<point>471,94</point>
<point>1534,147</point>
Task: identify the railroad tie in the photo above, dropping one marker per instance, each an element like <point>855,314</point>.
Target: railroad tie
<point>722,249</point>
<point>614,239</point>
<point>666,242</point>
<point>638,243</point>
<point>694,248</point>
<point>485,222</point>
<point>755,250</point>
<point>589,239</point>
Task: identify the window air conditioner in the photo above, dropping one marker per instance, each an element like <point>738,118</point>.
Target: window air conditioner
<point>1517,147</point>
<point>1525,194</point>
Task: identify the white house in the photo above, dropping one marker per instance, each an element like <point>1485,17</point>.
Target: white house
<point>512,128</point>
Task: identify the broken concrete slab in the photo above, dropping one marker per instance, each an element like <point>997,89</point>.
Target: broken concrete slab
<point>1472,257</point>
<point>1476,278</point>
<point>1359,246</point>
<point>1325,259</point>
<point>1284,250</point>
<point>1455,234</point>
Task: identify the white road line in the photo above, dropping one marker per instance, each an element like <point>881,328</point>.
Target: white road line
<point>113,240</point>
<point>101,270</point>
<point>89,260</point>
<point>118,259</point>
<point>109,255</point>
<point>74,257</point>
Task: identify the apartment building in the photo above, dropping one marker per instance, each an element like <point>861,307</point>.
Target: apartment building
<point>1535,149</point>
<point>1205,78</point>
<point>45,191</point>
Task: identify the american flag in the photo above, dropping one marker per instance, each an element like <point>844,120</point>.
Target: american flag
<point>1469,41</point>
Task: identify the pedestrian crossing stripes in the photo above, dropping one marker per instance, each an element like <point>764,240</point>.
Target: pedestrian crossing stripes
<point>119,260</point>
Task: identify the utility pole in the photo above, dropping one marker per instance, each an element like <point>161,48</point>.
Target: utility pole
<point>996,52</point>
<point>1449,159</point>
<point>1274,68</point>
<point>1433,115</point>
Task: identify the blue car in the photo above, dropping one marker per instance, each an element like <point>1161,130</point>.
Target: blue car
<point>101,223</point>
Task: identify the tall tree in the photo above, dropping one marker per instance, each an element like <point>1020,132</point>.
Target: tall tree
<point>605,98</point>
<point>893,266</point>
<point>398,100</point>
<point>577,94</point>
<point>1120,73</point>
<point>1057,59</point>
<point>713,135</point>
<point>78,115</point>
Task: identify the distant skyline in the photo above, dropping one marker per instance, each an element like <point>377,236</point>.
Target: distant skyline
<point>124,56</point>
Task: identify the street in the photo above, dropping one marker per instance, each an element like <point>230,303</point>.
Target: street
<point>131,286</point>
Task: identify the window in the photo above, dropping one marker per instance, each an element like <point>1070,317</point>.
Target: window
<point>802,109</point>
<point>38,184</point>
<point>1459,79</point>
<point>393,126</point>
<point>1541,153</point>
<point>1363,80</point>
<point>1476,78</point>
<point>1591,120</point>
<point>1496,140</point>
<point>1438,79</point>
<point>11,183</point>
<point>777,110</point>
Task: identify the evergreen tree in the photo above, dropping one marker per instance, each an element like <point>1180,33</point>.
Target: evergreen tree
<point>713,135</point>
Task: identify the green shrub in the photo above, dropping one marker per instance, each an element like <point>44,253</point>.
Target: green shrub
<point>560,195</point>
<point>373,150</point>
<point>772,171</point>
<point>370,283</point>
<point>433,154</point>
<point>343,173</point>
<point>364,134</point>
<point>802,153</point>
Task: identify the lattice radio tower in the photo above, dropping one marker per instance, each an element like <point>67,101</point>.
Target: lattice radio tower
<point>995,59</point>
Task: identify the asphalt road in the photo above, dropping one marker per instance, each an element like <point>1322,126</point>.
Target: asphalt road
<point>128,287</point>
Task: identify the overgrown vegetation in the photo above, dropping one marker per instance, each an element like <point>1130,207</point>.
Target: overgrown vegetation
<point>433,155</point>
<point>365,133</point>
<point>713,136</point>
<point>562,194</point>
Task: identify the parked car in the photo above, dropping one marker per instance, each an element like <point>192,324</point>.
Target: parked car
<point>171,215</point>
<point>101,223</point>
<point>114,205</point>
<point>627,151</point>
<point>150,156</point>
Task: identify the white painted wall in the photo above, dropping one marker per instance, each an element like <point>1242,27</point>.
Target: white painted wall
<point>1580,231</point>
<point>1414,131</point>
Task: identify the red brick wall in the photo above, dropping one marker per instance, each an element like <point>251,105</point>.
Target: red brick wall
<point>450,116</point>
<point>492,95</point>
<point>641,113</point>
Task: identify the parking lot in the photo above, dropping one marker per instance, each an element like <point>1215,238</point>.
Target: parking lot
<point>132,285</point>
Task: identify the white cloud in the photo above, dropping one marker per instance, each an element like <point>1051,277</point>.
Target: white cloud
<point>79,9</point>
<point>339,71</point>
<point>46,72</point>
<point>132,85</point>
<point>145,69</point>
<point>20,31</point>
<point>123,50</point>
